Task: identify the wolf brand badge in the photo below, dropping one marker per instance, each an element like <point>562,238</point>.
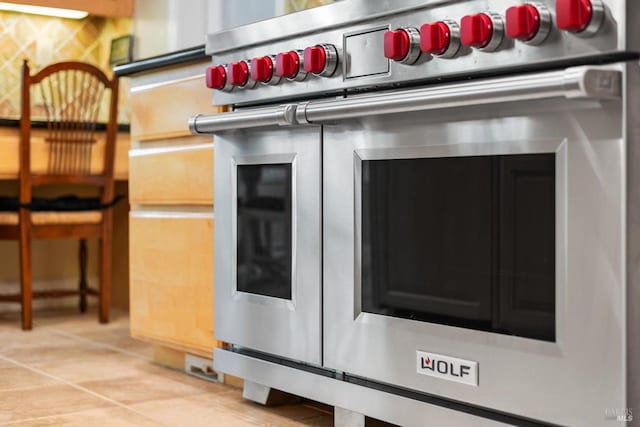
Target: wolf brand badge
<point>447,368</point>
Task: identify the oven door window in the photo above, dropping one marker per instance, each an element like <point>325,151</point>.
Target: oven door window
<point>264,220</point>
<point>461,241</point>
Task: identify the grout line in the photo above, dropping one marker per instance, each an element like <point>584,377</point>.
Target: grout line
<point>100,344</point>
<point>76,386</point>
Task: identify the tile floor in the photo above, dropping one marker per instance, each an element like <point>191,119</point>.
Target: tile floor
<point>72,371</point>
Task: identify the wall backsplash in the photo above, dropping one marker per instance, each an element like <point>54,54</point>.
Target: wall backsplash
<point>296,5</point>
<point>44,40</point>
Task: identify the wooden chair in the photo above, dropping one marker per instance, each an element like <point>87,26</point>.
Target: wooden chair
<point>71,93</point>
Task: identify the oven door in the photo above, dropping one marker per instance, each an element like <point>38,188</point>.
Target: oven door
<point>268,241</point>
<point>476,254</point>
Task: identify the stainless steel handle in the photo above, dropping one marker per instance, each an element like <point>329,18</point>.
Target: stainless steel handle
<point>206,124</point>
<point>571,83</point>
<point>579,82</point>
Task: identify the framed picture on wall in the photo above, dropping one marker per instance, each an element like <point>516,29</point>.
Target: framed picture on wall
<point>296,5</point>
<point>121,50</point>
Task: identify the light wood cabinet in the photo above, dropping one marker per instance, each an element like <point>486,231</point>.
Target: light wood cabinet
<point>173,175</point>
<point>171,221</point>
<point>171,292</point>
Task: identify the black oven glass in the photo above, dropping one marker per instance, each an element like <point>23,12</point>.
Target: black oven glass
<point>462,241</point>
<point>264,230</point>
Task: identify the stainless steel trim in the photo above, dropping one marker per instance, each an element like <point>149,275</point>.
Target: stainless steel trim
<point>454,39</point>
<point>546,23</point>
<point>578,82</point>
<point>498,32</point>
<point>250,84</point>
<point>383,406</point>
<point>332,60</point>
<point>597,19</point>
<point>302,74</point>
<point>414,52</point>
<point>275,79</point>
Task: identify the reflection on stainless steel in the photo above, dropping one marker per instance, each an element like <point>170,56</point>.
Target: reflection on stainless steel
<point>488,219</point>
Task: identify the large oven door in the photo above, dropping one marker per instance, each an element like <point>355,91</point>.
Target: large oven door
<point>268,241</point>
<point>475,254</point>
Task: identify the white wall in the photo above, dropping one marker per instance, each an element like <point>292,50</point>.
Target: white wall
<point>162,26</point>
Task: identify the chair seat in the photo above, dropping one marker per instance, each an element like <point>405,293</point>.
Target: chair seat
<point>43,218</point>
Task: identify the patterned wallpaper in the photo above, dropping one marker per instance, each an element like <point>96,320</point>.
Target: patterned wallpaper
<point>43,40</point>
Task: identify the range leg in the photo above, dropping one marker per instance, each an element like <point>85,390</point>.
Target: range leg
<point>346,418</point>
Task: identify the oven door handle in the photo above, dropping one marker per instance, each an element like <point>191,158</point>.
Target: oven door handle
<point>573,83</point>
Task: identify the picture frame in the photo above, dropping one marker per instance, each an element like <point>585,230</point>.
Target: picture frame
<point>121,50</point>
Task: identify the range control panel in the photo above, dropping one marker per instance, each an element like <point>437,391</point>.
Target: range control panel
<point>426,43</point>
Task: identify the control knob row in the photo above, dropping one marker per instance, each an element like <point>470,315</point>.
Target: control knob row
<point>320,60</point>
<point>530,23</point>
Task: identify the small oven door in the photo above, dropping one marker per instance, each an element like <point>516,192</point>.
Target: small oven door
<point>268,241</point>
<point>476,254</point>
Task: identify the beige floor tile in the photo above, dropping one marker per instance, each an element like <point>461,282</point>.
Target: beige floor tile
<point>105,360</point>
<point>51,348</point>
<point>107,417</point>
<point>14,377</point>
<point>141,388</point>
<point>45,401</point>
<point>118,338</point>
<point>5,364</point>
<point>188,412</point>
<point>110,365</point>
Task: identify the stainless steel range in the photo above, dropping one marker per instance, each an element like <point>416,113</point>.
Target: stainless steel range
<point>428,212</point>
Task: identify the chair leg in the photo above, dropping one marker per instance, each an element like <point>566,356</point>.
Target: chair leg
<point>82,286</point>
<point>25,277</point>
<point>105,271</point>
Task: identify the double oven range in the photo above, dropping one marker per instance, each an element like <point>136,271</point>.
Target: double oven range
<point>428,212</point>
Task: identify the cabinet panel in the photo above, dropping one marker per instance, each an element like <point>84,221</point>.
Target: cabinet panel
<point>171,275</point>
<point>173,175</point>
<point>161,110</point>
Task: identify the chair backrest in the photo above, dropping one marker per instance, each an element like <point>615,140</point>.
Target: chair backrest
<point>70,94</point>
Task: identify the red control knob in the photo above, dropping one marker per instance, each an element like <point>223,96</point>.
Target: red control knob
<point>238,73</point>
<point>315,59</point>
<point>396,44</point>
<point>216,77</point>
<point>262,69</point>
<point>523,22</point>
<point>287,64</point>
<point>435,38</point>
<point>575,15</point>
<point>476,30</point>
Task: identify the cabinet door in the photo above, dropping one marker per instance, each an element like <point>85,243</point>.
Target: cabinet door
<point>527,245</point>
<point>172,279</point>
<point>173,175</point>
